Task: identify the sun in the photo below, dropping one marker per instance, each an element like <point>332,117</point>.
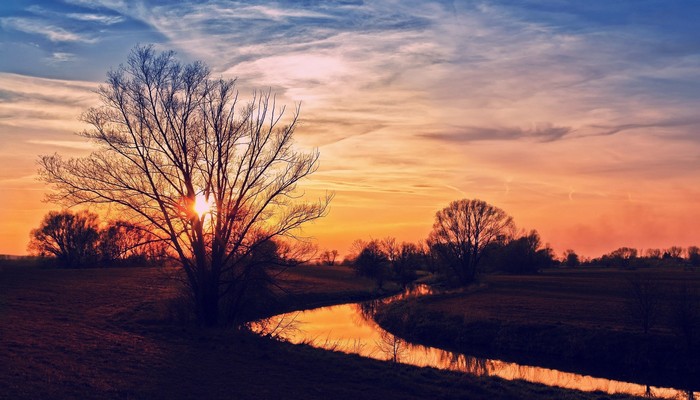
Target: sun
<point>201,205</point>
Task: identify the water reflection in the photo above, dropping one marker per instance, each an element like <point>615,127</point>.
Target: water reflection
<point>350,328</point>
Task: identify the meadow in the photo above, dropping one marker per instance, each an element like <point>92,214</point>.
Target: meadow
<point>580,320</point>
<point>112,333</point>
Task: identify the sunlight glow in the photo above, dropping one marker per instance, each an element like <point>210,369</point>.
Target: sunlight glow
<point>201,205</point>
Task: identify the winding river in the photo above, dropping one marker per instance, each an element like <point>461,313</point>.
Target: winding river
<point>350,328</point>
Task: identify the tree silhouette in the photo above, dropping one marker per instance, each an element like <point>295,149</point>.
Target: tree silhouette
<point>70,237</point>
<point>373,263</point>
<point>179,155</point>
<point>571,259</point>
<point>328,257</point>
<point>123,241</point>
<point>461,232</point>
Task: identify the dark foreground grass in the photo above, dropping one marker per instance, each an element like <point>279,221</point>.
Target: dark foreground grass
<point>574,320</point>
<point>96,334</point>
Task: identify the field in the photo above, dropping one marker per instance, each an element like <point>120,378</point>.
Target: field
<point>577,320</point>
<point>109,333</point>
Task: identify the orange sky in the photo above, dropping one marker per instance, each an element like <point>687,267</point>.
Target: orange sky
<point>578,122</point>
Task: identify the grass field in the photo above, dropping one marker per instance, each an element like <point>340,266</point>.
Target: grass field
<point>577,320</point>
<point>95,334</point>
<point>589,298</point>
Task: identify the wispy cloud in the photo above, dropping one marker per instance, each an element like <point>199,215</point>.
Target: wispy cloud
<point>39,27</point>
<point>28,102</point>
<point>98,18</point>
<point>543,132</point>
<point>61,57</point>
<point>71,144</point>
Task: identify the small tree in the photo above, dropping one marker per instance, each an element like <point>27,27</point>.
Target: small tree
<point>694,256</point>
<point>329,257</point>
<point>524,255</point>
<point>673,253</point>
<point>180,155</point>
<point>70,237</point>
<point>373,263</point>
<point>653,254</point>
<point>621,257</point>
<point>571,258</point>
<point>409,259</point>
<point>461,232</point>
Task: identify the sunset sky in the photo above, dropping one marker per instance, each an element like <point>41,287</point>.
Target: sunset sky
<point>581,119</point>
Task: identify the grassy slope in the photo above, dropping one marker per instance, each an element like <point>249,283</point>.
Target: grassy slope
<point>101,334</point>
<point>573,320</point>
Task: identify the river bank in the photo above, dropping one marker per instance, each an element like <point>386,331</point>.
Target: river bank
<point>104,334</point>
<point>568,321</point>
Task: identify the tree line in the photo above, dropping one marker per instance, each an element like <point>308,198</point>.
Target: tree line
<point>629,257</point>
<point>79,239</point>
<point>469,236</point>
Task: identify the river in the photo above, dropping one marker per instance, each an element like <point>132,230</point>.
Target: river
<point>350,328</point>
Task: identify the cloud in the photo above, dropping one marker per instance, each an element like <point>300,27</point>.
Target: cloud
<point>99,18</point>
<point>29,102</point>
<point>607,130</point>
<point>71,144</point>
<point>541,132</point>
<point>61,57</point>
<point>40,27</point>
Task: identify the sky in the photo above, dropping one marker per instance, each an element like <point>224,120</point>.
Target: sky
<point>579,119</point>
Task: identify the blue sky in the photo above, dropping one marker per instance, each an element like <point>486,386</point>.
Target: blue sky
<point>579,118</point>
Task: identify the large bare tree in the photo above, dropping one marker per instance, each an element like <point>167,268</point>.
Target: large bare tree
<point>463,229</point>
<point>215,179</point>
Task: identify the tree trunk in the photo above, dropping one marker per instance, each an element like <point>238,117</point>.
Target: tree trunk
<point>208,301</point>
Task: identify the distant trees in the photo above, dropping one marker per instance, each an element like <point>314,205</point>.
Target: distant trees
<point>571,259</point>
<point>387,259</point>
<point>522,255</point>
<point>462,231</point>
<point>627,257</point>
<point>69,237</point>
<point>124,241</point>
<point>694,256</point>
<point>78,240</point>
<point>328,257</point>
<point>621,257</point>
<point>409,259</point>
<point>653,253</point>
<point>211,177</point>
<point>673,252</point>
<point>465,235</point>
<point>373,263</point>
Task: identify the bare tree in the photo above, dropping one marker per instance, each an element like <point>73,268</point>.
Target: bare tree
<point>122,240</point>
<point>178,153</point>
<point>674,252</point>
<point>571,259</point>
<point>70,237</point>
<point>328,257</point>
<point>653,253</point>
<point>392,347</point>
<point>461,232</point>
<point>373,263</point>
<point>694,255</point>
